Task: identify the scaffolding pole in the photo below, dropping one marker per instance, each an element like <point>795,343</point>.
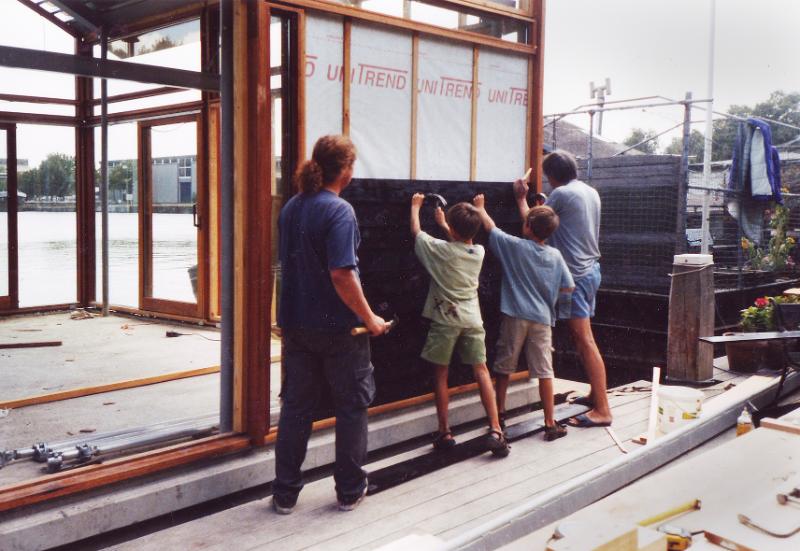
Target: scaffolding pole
<point>104,171</point>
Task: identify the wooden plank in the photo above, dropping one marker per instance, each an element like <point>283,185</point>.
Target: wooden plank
<point>117,470</point>
<point>433,30</point>
<point>414,101</point>
<point>473,131</point>
<point>780,425</point>
<point>33,344</point>
<point>346,70</point>
<point>110,387</point>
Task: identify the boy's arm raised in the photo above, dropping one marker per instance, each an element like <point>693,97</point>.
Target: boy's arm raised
<point>441,219</point>
<point>480,203</point>
<point>521,194</point>
<point>416,204</point>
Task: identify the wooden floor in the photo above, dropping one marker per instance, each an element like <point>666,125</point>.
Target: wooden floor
<point>442,503</point>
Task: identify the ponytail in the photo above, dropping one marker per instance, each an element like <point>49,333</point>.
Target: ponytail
<point>309,177</point>
<point>331,155</point>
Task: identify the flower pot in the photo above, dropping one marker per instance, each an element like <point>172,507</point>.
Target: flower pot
<point>747,356</point>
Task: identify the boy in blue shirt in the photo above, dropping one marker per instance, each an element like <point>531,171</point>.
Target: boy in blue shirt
<point>534,276</point>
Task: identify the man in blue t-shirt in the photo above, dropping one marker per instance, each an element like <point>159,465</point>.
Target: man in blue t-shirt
<point>577,238</point>
<point>321,300</point>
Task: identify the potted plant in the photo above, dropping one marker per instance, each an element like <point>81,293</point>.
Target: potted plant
<point>750,356</point>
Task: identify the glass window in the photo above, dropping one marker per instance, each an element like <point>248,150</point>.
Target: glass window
<point>466,19</point>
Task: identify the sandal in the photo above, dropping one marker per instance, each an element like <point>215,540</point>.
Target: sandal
<point>444,441</point>
<point>555,432</point>
<point>501,417</point>
<point>498,444</point>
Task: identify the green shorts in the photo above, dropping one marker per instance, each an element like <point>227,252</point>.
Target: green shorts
<point>470,342</point>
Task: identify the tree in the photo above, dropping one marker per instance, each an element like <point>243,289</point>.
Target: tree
<point>780,106</point>
<point>637,136</point>
<point>119,178</point>
<point>696,146</point>
<point>54,177</point>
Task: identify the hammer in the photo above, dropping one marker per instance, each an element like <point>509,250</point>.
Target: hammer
<point>361,330</point>
<point>438,198</point>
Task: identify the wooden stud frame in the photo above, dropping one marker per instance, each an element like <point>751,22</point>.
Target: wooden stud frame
<point>414,101</point>
<point>473,133</point>
<point>252,200</point>
<point>400,23</point>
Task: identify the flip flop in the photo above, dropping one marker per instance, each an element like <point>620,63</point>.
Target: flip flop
<point>583,401</point>
<point>583,421</point>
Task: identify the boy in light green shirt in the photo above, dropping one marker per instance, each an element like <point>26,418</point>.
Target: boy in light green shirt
<point>453,308</point>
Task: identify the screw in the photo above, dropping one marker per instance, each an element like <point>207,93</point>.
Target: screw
<point>791,497</point>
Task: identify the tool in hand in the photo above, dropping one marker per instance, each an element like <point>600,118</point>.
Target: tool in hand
<point>441,200</point>
<point>527,174</point>
<point>361,330</point>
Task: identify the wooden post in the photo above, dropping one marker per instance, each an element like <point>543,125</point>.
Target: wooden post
<point>84,186</point>
<point>691,315</point>
<point>535,96</point>
<point>252,211</point>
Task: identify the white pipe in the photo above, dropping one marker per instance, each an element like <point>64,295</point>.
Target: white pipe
<point>651,424</point>
<point>706,234</point>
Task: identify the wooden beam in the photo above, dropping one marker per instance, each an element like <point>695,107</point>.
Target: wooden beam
<point>257,291</point>
<point>477,7</point>
<point>84,187</point>
<point>117,470</point>
<point>151,113</point>
<point>535,96</point>
<point>150,92</point>
<point>473,131</point>
<point>50,17</point>
<point>37,99</point>
<point>414,101</point>
<point>110,387</point>
<point>346,68</point>
<point>36,344</point>
<point>301,88</point>
<point>38,60</point>
<point>36,118</point>
<point>12,208</point>
<point>399,22</point>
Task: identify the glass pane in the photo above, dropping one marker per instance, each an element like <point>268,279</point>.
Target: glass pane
<point>174,188</point>
<point>123,218</point>
<point>464,19</point>
<point>47,224</point>
<point>3,213</point>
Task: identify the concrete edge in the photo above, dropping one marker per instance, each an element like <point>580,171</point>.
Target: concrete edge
<point>74,518</point>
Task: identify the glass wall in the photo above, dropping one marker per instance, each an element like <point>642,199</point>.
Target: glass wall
<point>47,225</point>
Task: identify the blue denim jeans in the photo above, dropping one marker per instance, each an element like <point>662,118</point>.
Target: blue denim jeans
<point>312,359</point>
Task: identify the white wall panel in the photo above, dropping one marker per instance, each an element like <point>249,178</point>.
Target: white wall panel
<point>502,108</point>
<point>445,110</point>
<point>380,102</point>
<point>324,57</point>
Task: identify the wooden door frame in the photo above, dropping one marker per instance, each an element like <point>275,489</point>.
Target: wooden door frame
<point>147,302</point>
<point>11,301</point>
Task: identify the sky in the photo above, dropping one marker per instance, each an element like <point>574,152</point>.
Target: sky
<point>646,47</point>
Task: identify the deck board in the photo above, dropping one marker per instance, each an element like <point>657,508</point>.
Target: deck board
<point>443,503</point>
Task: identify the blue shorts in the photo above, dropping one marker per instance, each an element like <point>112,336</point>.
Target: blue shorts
<point>583,298</point>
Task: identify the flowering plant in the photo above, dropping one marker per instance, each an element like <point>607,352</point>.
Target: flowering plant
<point>761,316</point>
<point>777,255</point>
